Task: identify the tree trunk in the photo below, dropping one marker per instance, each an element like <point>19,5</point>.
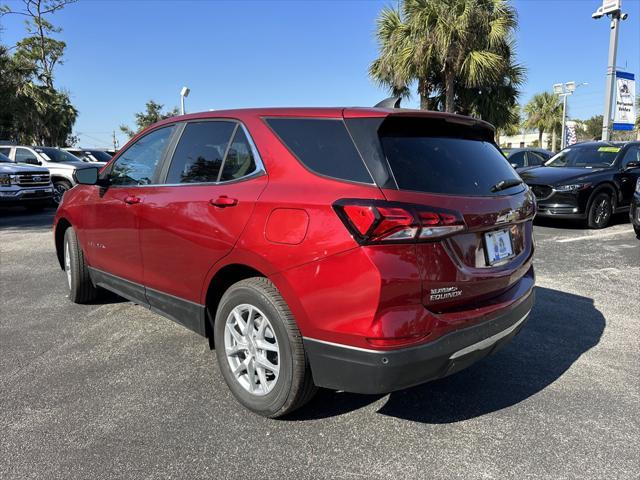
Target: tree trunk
<point>449,91</point>
<point>540,132</point>
<point>423,91</point>
<point>553,141</point>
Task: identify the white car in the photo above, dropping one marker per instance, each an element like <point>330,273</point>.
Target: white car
<point>61,164</point>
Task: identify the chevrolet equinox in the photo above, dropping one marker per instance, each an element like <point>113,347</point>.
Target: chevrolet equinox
<point>356,249</point>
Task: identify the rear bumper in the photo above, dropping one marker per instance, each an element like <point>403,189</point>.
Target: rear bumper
<point>358,370</point>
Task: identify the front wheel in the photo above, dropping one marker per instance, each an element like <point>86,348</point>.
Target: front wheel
<point>600,211</point>
<point>59,189</point>
<point>260,351</point>
<point>81,288</point>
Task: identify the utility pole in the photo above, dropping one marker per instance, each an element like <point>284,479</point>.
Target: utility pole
<point>611,8</point>
<point>115,142</point>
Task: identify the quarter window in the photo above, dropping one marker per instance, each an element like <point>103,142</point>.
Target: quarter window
<point>137,165</point>
<point>323,146</point>
<point>200,151</point>
<point>239,161</point>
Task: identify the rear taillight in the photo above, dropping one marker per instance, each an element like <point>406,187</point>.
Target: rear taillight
<point>379,221</point>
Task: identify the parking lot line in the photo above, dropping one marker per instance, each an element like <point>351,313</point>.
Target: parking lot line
<point>596,235</point>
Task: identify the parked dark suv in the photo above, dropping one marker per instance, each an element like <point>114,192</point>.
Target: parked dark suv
<point>358,249</point>
<point>589,181</point>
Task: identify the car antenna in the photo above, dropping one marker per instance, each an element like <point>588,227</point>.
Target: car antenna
<point>391,102</point>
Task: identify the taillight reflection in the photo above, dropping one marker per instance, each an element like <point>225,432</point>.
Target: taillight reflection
<point>379,221</point>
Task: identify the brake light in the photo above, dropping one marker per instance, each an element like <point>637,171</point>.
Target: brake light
<point>378,221</point>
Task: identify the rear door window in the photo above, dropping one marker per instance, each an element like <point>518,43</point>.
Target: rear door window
<point>446,165</point>
<point>323,146</point>
<point>200,151</point>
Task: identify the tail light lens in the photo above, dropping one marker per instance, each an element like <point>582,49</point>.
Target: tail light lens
<point>379,221</point>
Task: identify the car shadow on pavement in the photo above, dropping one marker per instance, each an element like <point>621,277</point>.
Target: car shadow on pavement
<point>19,218</point>
<point>562,327</point>
<point>570,224</point>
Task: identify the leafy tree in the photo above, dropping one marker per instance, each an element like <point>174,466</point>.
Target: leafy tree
<point>153,113</point>
<point>593,127</point>
<point>544,113</point>
<point>459,52</point>
<point>38,113</point>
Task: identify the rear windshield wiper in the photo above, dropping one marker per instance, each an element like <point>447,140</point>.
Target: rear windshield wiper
<point>504,184</point>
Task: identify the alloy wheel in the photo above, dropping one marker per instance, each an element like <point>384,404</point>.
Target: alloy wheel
<point>58,192</point>
<point>252,350</point>
<point>602,211</point>
<point>67,263</point>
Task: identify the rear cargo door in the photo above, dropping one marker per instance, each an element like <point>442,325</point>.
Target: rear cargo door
<point>457,167</point>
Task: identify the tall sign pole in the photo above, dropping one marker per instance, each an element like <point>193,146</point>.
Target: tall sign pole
<point>611,8</point>
<point>611,76</point>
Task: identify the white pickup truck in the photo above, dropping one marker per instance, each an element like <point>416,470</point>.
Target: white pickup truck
<point>24,184</point>
<point>61,164</point>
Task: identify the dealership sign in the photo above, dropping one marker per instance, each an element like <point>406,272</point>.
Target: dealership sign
<point>624,117</point>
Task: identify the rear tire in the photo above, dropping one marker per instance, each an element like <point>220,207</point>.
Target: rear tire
<point>252,314</point>
<point>600,211</point>
<point>81,288</point>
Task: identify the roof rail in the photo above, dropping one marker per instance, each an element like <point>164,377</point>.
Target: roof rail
<point>391,102</point>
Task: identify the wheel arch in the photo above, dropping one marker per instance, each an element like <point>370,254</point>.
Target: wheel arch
<point>223,278</point>
<point>61,227</point>
<point>605,187</point>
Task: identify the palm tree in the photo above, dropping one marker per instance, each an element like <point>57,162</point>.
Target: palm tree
<point>455,50</point>
<point>544,113</point>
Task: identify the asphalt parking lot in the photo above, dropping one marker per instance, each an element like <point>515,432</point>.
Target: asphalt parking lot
<point>112,390</point>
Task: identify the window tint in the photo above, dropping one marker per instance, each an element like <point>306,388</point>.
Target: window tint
<point>52,154</point>
<point>198,156</point>
<point>239,161</point>
<point>448,165</point>
<point>535,159</point>
<point>517,159</point>
<point>323,146</point>
<point>137,165</point>
<point>632,155</point>
<point>5,151</point>
<point>24,156</point>
<point>589,156</point>
<point>4,158</point>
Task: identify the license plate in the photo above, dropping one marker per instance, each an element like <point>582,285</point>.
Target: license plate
<point>498,246</point>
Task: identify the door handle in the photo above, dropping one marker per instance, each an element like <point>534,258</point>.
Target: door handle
<point>132,200</point>
<point>223,201</point>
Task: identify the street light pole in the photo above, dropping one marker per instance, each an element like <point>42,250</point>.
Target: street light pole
<point>183,93</point>
<point>563,139</point>
<point>611,76</point>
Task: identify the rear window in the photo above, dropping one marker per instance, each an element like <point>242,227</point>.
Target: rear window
<point>323,146</point>
<point>447,165</point>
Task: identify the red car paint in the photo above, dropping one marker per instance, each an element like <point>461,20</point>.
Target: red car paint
<point>283,224</point>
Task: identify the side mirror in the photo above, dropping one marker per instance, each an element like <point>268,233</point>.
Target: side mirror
<point>86,176</point>
<point>32,161</point>
<point>631,165</point>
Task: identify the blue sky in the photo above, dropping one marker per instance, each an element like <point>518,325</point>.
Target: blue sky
<point>277,53</point>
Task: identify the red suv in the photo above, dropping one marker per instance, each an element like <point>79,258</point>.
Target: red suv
<point>357,249</point>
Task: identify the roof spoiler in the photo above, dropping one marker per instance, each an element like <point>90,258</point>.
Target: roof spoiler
<point>391,102</point>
